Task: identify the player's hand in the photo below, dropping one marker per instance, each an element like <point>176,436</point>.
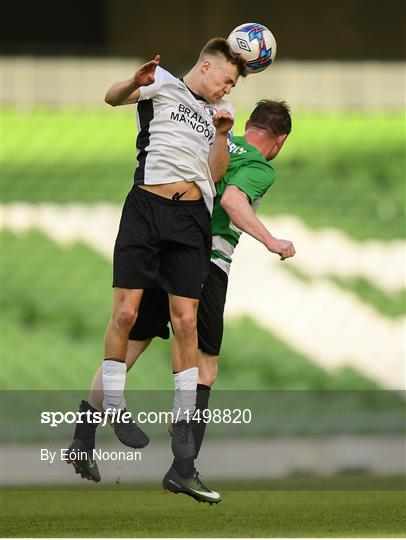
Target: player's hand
<point>223,121</point>
<point>284,248</point>
<point>145,75</point>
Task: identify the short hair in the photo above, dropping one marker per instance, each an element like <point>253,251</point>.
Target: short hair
<point>272,115</point>
<point>221,47</point>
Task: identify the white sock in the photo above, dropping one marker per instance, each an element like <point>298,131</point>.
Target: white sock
<point>114,374</point>
<point>184,402</point>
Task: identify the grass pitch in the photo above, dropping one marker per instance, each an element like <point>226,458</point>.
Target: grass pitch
<point>340,170</point>
<point>241,514</point>
<point>71,331</point>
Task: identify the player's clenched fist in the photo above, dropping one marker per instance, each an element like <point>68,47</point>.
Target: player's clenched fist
<point>284,248</point>
<point>223,121</point>
<point>145,75</point>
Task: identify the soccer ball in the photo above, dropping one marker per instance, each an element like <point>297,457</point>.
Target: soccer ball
<point>255,43</point>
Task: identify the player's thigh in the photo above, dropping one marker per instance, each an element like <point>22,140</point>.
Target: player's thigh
<point>184,269</point>
<point>126,301</point>
<point>183,312</point>
<point>136,254</point>
<point>184,261</point>
<point>210,315</point>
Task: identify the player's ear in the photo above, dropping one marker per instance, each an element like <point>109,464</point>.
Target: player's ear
<point>281,139</point>
<point>205,66</point>
<point>277,143</point>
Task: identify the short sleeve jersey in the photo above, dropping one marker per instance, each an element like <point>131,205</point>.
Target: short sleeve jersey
<point>252,174</point>
<point>175,133</point>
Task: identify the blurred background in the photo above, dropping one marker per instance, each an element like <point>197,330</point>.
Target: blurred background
<point>330,319</point>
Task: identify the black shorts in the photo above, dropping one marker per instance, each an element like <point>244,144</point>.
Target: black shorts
<point>162,243</point>
<point>154,317</point>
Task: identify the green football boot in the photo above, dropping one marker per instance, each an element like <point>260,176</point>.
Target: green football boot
<point>194,487</point>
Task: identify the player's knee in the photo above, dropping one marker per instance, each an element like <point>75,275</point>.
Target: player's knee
<point>185,324</point>
<point>125,318</point>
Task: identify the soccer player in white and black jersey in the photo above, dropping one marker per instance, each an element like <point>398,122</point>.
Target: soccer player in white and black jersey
<point>249,176</point>
<point>164,238</point>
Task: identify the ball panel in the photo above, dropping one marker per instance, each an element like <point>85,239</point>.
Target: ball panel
<point>255,43</point>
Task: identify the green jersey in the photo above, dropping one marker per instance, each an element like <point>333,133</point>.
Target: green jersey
<point>252,174</point>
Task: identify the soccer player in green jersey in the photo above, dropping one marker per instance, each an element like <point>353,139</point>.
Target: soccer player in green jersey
<point>239,193</point>
<point>248,177</point>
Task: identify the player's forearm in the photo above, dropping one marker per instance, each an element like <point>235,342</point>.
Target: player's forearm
<point>243,217</point>
<point>120,91</point>
<point>219,157</point>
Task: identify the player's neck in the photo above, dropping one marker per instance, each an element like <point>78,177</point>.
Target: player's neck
<point>192,82</point>
<point>255,138</point>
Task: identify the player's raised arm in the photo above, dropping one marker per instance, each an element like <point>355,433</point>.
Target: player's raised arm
<point>127,92</point>
<point>218,155</point>
<point>237,206</point>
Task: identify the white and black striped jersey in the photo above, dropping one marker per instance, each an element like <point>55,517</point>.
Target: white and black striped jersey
<point>175,132</point>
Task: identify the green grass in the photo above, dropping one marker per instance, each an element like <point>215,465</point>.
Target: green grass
<point>57,307</point>
<point>241,514</point>
<point>254,358</point>
<point>390,305</point>
<point>393,305</point>
<point>345,171</point>
<point>55,311</point>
